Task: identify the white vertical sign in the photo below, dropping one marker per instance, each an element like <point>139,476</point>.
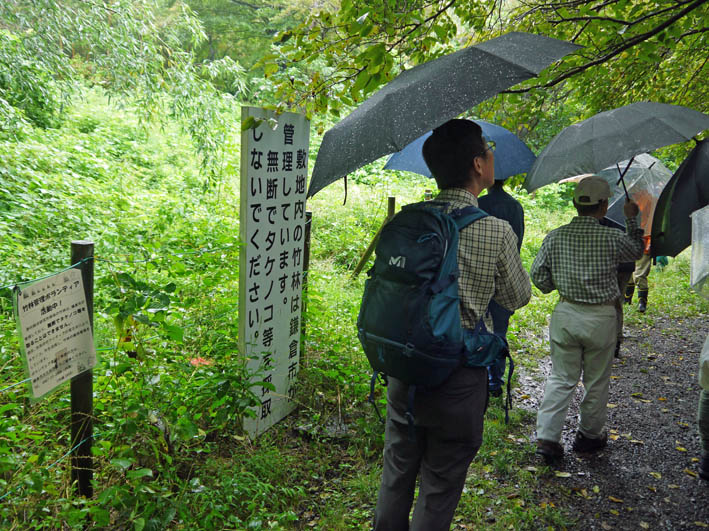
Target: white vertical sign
<point>56,333</point>
<point>274,168</point>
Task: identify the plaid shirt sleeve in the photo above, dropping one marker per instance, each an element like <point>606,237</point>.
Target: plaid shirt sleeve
<point>541,268</point>
<point>630,246</point>
<point>512,286</point>
<point>490,266</point>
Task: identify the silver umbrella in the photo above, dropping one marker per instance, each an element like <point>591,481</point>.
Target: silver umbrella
<point>611,136</point>
<point>428,95</point>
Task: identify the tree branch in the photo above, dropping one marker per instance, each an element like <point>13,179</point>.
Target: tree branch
<point>626,45</point>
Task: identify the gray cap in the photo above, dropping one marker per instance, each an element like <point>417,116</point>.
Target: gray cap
<point>591,190</point>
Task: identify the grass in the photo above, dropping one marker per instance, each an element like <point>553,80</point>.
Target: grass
<point>138,194</point>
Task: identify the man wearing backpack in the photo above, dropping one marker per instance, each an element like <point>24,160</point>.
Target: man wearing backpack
<point>580,261</point>
<point>447,431</point>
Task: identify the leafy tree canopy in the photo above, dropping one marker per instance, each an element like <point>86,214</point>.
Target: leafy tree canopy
<point>633,50</point>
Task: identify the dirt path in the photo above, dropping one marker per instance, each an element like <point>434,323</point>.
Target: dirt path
<point>646,477</point>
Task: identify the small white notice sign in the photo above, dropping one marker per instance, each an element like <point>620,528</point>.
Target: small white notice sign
<point>53,321</point>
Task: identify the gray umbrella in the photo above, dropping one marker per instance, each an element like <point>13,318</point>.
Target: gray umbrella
<point>611,136</point>
<point>428,95</point>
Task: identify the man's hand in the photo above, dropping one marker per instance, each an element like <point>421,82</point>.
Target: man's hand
<point>630,209</point>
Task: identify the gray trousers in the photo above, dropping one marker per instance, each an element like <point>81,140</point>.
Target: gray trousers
<point>582,339</point>
<point>703,420</point>
<point>448,434</point>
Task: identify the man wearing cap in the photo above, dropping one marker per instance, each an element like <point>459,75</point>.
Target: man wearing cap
<point>580,261</point>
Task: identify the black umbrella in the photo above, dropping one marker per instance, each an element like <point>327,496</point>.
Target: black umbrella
<point>687,191</point>
<point>428,95</point>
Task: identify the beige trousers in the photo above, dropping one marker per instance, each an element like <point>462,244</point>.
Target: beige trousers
<point>582,338</point>
<point>642,271</point>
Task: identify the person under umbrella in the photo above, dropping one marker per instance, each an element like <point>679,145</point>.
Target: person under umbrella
<point>646,203</point>
<point>580,261</point>
<point>449,418</point>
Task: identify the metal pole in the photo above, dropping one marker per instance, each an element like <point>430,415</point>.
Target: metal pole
<point>622,174</point>
<point>306,268</point>
<point>82,395</point>
<point>391,207</point>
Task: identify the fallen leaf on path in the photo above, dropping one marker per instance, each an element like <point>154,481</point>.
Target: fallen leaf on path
<point>611,406</point>
<point>531,468</point>
<point>636,441</point>
<point>524,397</point>
<point>695,459</point>
<point>672,486</point>
<point>636,395</point>
<point>605,526</point>
<point>701,524</point>
<point>681,449</point>
<point>596,489</point>
<point>656,475</point>
<point>562,474</point>
<point>614,499</point>
<point>613,437</point>
<point>690,472</point>
<point>653,489</point>
<point>613,511</point>
<point>644,525</point>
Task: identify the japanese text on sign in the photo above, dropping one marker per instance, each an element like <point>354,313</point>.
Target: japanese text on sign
<point>56,333</point>
<point>274,167</point>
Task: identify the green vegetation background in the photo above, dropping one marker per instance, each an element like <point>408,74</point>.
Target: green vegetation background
<point>169,450</point>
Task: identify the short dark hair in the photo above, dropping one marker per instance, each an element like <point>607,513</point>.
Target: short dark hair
<point>588,210</point>
<point>450,151</point>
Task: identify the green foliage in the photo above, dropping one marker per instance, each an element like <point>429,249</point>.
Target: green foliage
<point>633,51</point>
<point>128,47</point>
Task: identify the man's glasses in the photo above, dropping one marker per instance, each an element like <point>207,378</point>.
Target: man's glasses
<point>490,147</point>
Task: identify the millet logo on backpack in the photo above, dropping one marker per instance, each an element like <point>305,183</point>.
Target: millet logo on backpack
<point>398,261</point>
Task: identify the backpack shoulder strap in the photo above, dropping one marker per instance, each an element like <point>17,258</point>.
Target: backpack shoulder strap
<point>465,216</point>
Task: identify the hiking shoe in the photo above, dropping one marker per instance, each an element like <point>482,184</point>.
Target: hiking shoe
<point>551,451</point>
<point>704,467</point>
<point>496,392</point>
<point>587,445</point>
<point>642,305</point>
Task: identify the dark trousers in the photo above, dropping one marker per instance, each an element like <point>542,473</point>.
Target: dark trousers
<point>448,434</point>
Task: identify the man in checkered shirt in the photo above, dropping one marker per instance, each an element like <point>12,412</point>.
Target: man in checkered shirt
<point>579,260</point>
<point>449,419</point>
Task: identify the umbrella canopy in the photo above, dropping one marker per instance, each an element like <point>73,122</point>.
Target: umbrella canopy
<point>512,156</point>
<point>645,179</point>
<point>687,191</point>
<point>428,95</point>
<point>611,136</point>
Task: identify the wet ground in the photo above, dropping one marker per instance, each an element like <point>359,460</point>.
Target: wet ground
<point>647,476</point>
